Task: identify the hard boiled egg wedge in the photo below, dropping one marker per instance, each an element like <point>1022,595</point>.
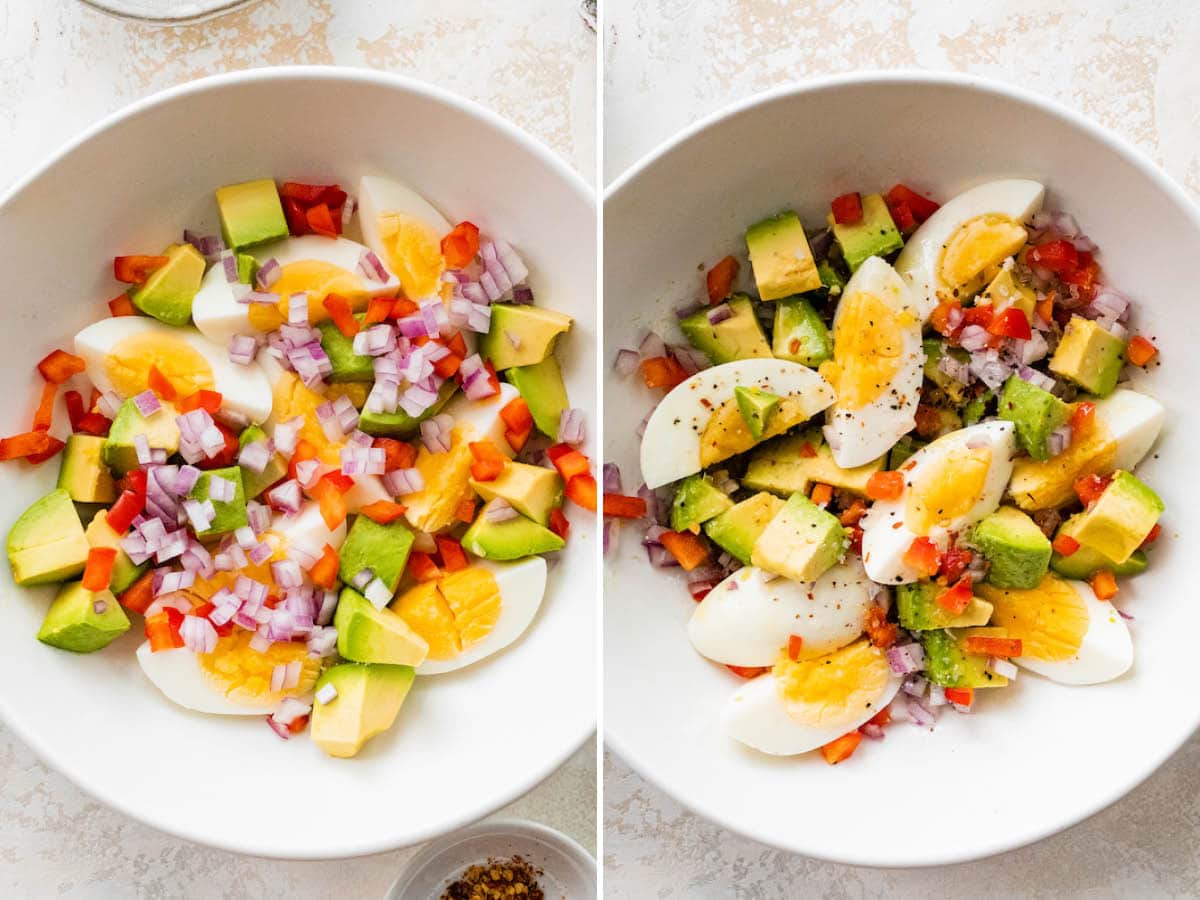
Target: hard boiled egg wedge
<point>876,365</point>
<point>746,619</point>
<point>802,705</point>
<point>1066,634</point>
<point>307,531</point>
<point>404,229</point>
<point>949,485</point>
<point>468,615</point>
<point>955,250</point>
<point>311,264</point>
<point>698,424</point>
<point>119,353</point>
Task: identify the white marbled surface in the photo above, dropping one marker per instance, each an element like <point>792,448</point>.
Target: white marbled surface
<point>1130,66</point>
<point>62,67</point>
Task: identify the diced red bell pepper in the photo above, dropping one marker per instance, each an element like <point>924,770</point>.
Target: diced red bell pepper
<point>448,365</point>
<point>939,319</point>
<point>139,595</point>
<point>121,305</point>
<point>465,511</point>
<point>493,378</point>
<point>136,269</point>
<point>1084,278</point>
<point>923,555</point>
<point>921,206</point>
<point>1152,535</point>
<point>161,385</point>
<point>842,748</point>
<point>1082,417</point>
<point>339,310</point>
<point>1104,585</point>
<point>821,494</point>
<point>294,211</point>
<point>461,245</point>
<point>559,523</point>
<point>210,401</point>
<point>1140,351</point>
<point>324,572</point>
<point>36,446</point>
<point>93,423</point>
<point>320,221</point>
<point>98,571</point>
<point>881,632</point>
<point>855,533</point>
<point>422,567</point>
<point>980,314</point>
<point>885,485</point>
<point>122,513</point>
<point>881,718</point>
<point>747,671</point>
<point>1002,648</point>
<point>489,462</point>
<point>794,645</point>
<point>59,365</point>
<point>1057,256</point>
<point>516,414</point>
<point>383,511</point>
<point>328,492</point>
<point>963,696</point>
<point>852,513</point>
<point>581,490</point>
<point>379,309</point>
<point>162,630</point>
<point>75,409</point>
<point>1065,545</point>
<point>902,216</point>
<point>309,194</point>
<point>43,416</point>
<point>227,455</point>
<point>662,372</point>
<point>957,598</point>
<point>397,454</point>
<point>954,562</point>
<point>1089,488</point>
<point>688,549</point>
<point>847,209</point>
<point>454,559</point>
<point>719,279</point>
<point>305,450</point>
<point>569,461</point>
<point>1011,323</point>
<point>624,507</point>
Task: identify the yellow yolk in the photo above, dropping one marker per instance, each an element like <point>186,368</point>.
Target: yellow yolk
<point>832,689</point>
<point>867,345</point>
<point>1049,484</point>
<point>945,489</point>
<point>447,479</point>
<point>978,245</point>
<point>414,252</point>
<point>1050,620</point>
<point>317,279</point>
<point>452,613</point>
<point>291,398</point>
<point>244,674</point>
<point>128,364</point>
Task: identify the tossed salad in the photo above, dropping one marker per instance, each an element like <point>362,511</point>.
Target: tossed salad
<point>315,467</point>
<point>905,469</point>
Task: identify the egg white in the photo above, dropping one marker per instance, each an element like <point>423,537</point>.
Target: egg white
<point>671,442</point>
<point>1105,653</point>
<point>479,420</point>
<point>379,196</point>
<point>307,530</point>
<point>1134,420</point>
<point>183,680</point>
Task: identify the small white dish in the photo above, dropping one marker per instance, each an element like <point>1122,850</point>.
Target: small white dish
<point>168,12</point>
<point>569,871</point>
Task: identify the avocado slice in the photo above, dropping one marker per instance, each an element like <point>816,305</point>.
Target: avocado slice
<point>902,450</point>
<point>757,407</point>
<point>976,408</point>
<point>738,337</point>
<point>1119,521</point>
<point>696,501</point>
<point>1034,412</point>
<point>370,635</point>
<point>533,491</point>
<point>168,293</point>
<point>795,463</point>
<point>799,333</point>
<point>1017,549</point>
<point>247,268</point>
<point>368,700</point>
<point>780,257</point>
<point>738,528</point>
<point>124,573</point>
<point>918,609</point>
<point>47,542</point>
<point>831,277</point>
<point>1004,292</point>
<point>230,514</point>
<point>521,335</point>
<point>254,483</point>
<point>383,549</point>
<point>947,664</point>
<point>251,213</point>
<point>875,234</point>
<point>83,473</point>
<point>541,386</point>
<point>161,431</point>
<point>802,542</point>
<point>1086,562</point>
<point>510,539</point>
<point>73,623</point>
<point>400,424</point>
<point>1089,356</point>
<point>347,365</point>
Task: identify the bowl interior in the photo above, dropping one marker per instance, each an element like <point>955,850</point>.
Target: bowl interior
<point>1025,765</point>
<point>465,743</point>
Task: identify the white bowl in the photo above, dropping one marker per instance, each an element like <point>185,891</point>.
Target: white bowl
<point>466,743</point>
<point>1038,757</point>
<point>569,871</point>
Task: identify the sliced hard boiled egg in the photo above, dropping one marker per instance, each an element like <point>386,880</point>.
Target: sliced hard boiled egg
<point>307,531</point>
<point>955,250</point>
<point>746,619</point>
<point>406,232</point>
<point>802,705</point>
<point>876,365</point>
<point>120,352</point>
<point>1066,634</point>
<point>698,423</point>
<point>949,485</point>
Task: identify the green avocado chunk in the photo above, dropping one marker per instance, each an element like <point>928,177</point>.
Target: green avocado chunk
<point>738,337</point>
<point>161,431</point>
<point>533,491</point>
<point>370,635</point>
<point>368,700</point>
<point>81,621</point>
<point>1035,413</point>
<point>541,386</point>
<point>247,267</point>
<point>934,349</point>
<point>793,463</point>
<point>230,514</point>
<point>510,539</point>
<point>521,335</point>
<point>47,542</point>
<point>802,542</point>
<point>254,483</point>
<point>124,572</point>
<point>1085,562</point>
<point>902,450</point>
<point>918,609</point>
<point>738,528</point>
<point>83,473</point>
<point>168,293</point>
<point>347,365</point>
<point>400,424</point>
<point>756,407</point>
<point>875,234</point>
<point>781,258</point>
<point>696,501</point>
<point>383,549</point>
<point>251,214</point>
<point>1119,521</point>
<point>949,665</point>
<point>1089,356</point>
<point>799,333</point>
<point>1017,549</point>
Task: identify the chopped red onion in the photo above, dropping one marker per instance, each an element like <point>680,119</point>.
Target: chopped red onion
<point>956,369</point>
<point>522,295</point>
<point>287,573</point>
<point>297,308</point>
<point>221,489</point>
<point>147,403</point>
<point>141,446</point>
<point>1036,378</point>
<point>974,337</point>
<point>229,263</point>
<point>255,456</point>
<point>242,349</point>
<point>348,211</point>
<point>286,435</point>
<point>937,696</point>
<point>626,362</point>
<point>210,246</point>
<point>906,659</point>
<point>610,534</point>
<point>872,731</point>
<point>689,358</point>
<point>499,510</point>
<point>1033,349</point>
<point>200,514</point>
<point>652,346</point>
<point>268,273</point>
<point>371,267</point>
<point>571,426</point>
<point>377,340</point>
<point>290,710</point>
<point>327,694</point>
<point>363,461</point>
<point>399,482</point>
<point>611,478</point>
<point>915,685</point>
<point>170,581</point>
<point>267,298</point>
<point>989,368</point>
<point>660,558</point>
<point>286,497</point>
<point>719,314</point>
<point>109,404</point>
<point>329,602</point>
<point>436,434</point>
<point>1058,440</point>
<point>198,634</point>
<point>1003,668</point>
<point>377,592</point>
<point>307,472</point>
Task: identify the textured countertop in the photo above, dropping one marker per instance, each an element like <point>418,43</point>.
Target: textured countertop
<point>64,66</point>
<point>1131,67</point>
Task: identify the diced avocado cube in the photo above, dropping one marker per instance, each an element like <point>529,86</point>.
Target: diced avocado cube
<point>757,407</point>
<point>230,514</point>
<point>533,491</point>
<point>875,234</point>
<point>1017,549</point>
<point>347,365</point>
<point>831,277</point>
<point>251,214</point>
<point>802,542</point>
<point>81,621</point>
<point>781,258</point>
<point>83,474</point>
<point>247,267</point>
<point>738,337</point>
<point>161,431</point>
<point>902,450</point>
<point>918,609</point>
<point>47,542</point>
<point>383,549</point>
<point>1089,356</point>
<point>1119,521</point>
<point>508,539</point>
<point>950,386</point>
<point>124,573</point>
<point>696,501</point>
<point>370,635</point>
<point>168,293</point>
<point>738,528</point>
<point>400,424</point>
<point>799,333</point>
<point>947,664</point>
<point>976,408</point>
<point>541,386</point>
<point>1035,413</point>
<point>368,700</point>
<point>521,335</point>
<point>1086,562</point>
<point>254,483</point>
<point>793,464</point>
<point>1004,292</point>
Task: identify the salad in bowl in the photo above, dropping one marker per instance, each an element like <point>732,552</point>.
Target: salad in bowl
<point>895,457</point>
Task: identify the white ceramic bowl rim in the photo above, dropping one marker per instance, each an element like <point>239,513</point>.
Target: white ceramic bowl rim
<point>302,73</point>
<point>1116,788</point>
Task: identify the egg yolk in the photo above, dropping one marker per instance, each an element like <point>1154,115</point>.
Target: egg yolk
<point>314,277</point>
<point>1050,483</point>
<point>1050,620</point>
<point>290,398</point>
<point>834,689</point>
<point>452,613</point>
<point>978,245</point>
<point>447,478</point>
<point>726,434</point>
<point>413,251</point>
<point>204,588</point>
<point>128,364</point>
<point>946,488</point>
<point>867,346</point>
<point>243,674</point>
